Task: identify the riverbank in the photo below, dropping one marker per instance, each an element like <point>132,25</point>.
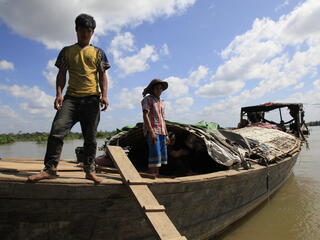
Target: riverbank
<point>40,137</point>
<point>314,123</point>
<point>33,149</point>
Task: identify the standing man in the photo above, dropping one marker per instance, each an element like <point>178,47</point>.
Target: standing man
<point>87,67</point>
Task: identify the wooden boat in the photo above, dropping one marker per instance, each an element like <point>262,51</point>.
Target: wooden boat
<point>244,167</point>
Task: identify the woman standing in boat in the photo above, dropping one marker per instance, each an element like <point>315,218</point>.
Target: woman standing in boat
<point>154,127</point>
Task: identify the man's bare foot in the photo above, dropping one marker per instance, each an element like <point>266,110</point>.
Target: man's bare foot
<point>41,176</point>
<point>93,177</point>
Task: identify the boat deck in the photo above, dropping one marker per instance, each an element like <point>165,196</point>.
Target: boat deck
<point>68,170</point>
<point>60,208</point>
<point>18,170</point>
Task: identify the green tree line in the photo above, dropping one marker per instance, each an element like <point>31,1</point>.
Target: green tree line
<point>314,123</point>
<point>43,136</point>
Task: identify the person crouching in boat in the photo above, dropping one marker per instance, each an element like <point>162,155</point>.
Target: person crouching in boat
<point>178,157</point>
<point>154,126</point>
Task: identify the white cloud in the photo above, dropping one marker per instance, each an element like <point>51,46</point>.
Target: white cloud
<point>45,23</point>
<point>179,109</point>
<point>282,5</point>
<point>198,75</point>
<point>299,26</point>
<point>310,99</point>
<point>316,84</point>
<point>169,110</point>
<point>51,73</point>
<point>5,65</point>
<point>10,121</point>
<point>299,86</point>
<point>138,62</point>
<point>95,40</point>
<point>220,88</point>
<point>288,72</point>
<point>164,50</point>
<point>183,104</point>
<point>270,53</point>
<point>293,55</point>
<point>122,42</point>
<point>166,67</point>
<point>177,87</point>
<point>243,62</point>
<point>36,101</point>
<point>128,99</point>
<point>226,113</point>
<point>110,80</point>
<point>7,112</point>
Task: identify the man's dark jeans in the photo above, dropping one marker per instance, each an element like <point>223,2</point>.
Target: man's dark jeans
<point>85,110</point>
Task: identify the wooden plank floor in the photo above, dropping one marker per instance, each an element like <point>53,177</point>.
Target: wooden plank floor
<point>18,169</point>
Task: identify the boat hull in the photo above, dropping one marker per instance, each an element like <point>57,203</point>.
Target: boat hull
<point>200,206</point>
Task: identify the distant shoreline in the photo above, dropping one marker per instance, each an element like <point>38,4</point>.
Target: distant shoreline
<point>314,123</point>
<point>41,137</point>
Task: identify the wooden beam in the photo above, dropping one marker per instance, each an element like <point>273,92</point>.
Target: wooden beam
<point>115,170</point>
<point>151,208</point>
<point>154,213</point>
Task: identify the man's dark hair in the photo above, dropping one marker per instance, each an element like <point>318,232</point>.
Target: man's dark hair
<point>85,21</point>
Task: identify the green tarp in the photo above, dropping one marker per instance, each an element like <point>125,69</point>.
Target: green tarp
<point>202,125</point>
<point>206,125</point>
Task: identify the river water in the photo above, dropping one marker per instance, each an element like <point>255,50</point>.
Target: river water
<point>292,213</point>
<point>38,150</point>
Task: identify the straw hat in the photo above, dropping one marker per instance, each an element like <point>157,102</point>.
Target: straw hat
<point>154,82</point>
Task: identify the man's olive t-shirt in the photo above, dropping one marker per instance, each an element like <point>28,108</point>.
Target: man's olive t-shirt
<point>83,65</point>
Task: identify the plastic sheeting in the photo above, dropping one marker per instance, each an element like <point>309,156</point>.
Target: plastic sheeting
<point>226,147</point>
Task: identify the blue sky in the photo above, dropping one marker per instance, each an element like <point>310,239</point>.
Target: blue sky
<point>216,55</point>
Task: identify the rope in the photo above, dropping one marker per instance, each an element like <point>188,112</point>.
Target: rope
<point>267,177</point>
